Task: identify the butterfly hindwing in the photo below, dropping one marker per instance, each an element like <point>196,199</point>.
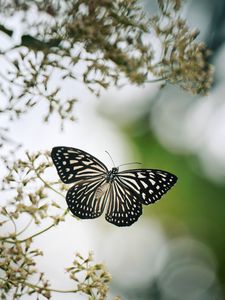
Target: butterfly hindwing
<point>148,184</point>
<point>74,164</point>
<point>86,199</point>
<point>124,207</point>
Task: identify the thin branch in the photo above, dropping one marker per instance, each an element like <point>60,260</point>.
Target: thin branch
<point>44,230</point>
<point>38,288</point>
<point>47,184</point>
<point>7,239</point>
<point>37,233</point>
<point>25,228</point>
<point>11,219</point>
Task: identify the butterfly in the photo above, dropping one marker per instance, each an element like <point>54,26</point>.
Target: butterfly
<point>95,188</point>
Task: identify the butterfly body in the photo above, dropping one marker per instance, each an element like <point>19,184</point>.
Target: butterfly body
<point>111,175</point>
<point>95,187</point>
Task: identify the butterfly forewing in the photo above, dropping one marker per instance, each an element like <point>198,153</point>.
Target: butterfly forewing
<point>124,207</point>
<point>148,184</point>
<point>74,164</point>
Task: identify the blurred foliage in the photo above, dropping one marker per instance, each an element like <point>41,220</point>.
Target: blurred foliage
<point>99,43</point>
<point>195,206</point>
<point>183,61</point>
<point>27,193</point>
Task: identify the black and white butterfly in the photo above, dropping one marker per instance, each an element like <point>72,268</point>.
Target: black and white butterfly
<point>95,187</point>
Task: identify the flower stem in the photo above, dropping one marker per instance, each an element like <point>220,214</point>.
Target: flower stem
<point>38,288</point>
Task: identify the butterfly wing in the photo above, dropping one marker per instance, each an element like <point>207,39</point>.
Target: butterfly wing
<point>86,199</point>
<point>148,184</point>
<point>124,207</point>
<point>74,164</point>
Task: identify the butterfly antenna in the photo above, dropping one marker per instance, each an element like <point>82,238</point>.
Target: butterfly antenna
<point>110,158</point>
<point>131,163</point>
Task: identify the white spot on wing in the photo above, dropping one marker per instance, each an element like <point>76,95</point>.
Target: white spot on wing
<point>141,175</point>
<point>73,161</point>
<point>144,184</point>
<point>152,181</point>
